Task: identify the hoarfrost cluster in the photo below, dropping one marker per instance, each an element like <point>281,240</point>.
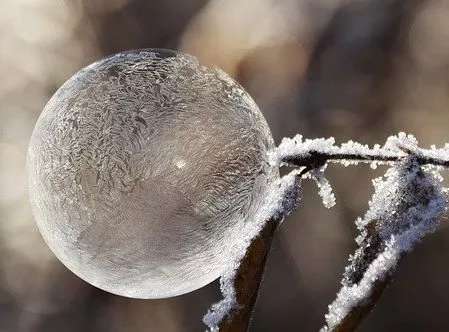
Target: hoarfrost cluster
<point>407,204</point>
<point>324,187</point>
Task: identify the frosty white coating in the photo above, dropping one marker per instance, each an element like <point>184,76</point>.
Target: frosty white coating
<point>407,204</point>
<point>143,169</point>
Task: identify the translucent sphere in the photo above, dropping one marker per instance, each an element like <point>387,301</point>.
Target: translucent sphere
<point>144,168</point>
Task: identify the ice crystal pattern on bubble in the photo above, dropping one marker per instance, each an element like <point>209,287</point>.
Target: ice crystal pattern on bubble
<point>144,168</point>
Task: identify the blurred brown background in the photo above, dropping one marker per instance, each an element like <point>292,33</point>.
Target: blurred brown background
<point>361,69</point>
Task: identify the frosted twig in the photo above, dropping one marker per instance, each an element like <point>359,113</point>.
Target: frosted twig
<point>380,247</point>
<point>313,153</point>
<point>240,284</point>
<point>407,205</point>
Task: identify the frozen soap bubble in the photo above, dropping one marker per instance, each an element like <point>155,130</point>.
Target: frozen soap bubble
<point>144,168</point>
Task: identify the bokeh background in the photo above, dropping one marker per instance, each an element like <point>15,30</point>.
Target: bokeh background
<point>355,69</point>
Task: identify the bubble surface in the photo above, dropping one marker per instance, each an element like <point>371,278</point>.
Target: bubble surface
<point>143,168</point>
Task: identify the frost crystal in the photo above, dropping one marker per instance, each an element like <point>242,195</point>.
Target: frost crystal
<point>407,204</point>
<point>324,187</point>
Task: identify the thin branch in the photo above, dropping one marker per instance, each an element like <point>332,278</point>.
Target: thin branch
<point>352,321</point>
<point>233,312</point>
<point>249,278</point>
<point>250,272</point>
<point>315,159</point>
<point>370,248</point>
<point>407,204</point>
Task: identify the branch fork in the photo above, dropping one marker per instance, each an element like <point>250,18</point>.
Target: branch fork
<point>407,204</point>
